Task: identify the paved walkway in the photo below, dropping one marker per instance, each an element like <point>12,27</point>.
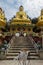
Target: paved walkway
<point>13,62</point>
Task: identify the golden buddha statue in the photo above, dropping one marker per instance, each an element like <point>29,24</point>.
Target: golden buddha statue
<point>40,19</point>
<point>2,18</point>
<point>21,17</point>
<point>21,22</point>
<point>2,15</point>
<point>21,14</point>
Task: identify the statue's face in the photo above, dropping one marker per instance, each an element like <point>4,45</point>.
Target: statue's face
<point>42,12</point>
<point>0,10</point>
<point>21,8</point>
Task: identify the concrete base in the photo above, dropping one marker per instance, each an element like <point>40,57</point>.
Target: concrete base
<point>41,53</point>
<point>2,55</point>
<point>15,62</point>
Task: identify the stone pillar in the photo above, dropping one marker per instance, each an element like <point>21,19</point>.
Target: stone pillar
<point>42,41</point>
<point>42,35</point>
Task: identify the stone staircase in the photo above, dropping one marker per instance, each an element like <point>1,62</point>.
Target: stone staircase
<point>17,43</point>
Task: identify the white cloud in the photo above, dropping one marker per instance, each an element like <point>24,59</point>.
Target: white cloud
<point>33,7</point>
<point>9,10</point>
<point>10,1</point>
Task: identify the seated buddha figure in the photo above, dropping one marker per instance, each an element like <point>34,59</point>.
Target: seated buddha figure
<point>21,14</point>
<point>40,19</point>
<point>2,15</point>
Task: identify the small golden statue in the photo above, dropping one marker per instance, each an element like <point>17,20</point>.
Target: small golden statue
<point>41,16</point>
<point>20,21</point>
<point>42,12</point>
<point>2,15</point>
<point>21,14</point>
<point>2,18</point>
<point>40,19</point>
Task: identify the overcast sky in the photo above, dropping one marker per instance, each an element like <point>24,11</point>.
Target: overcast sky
<point>31,7</point>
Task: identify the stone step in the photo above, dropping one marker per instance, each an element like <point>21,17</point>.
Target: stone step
<point>29,57</point>
<point>15,57</point>
<point>18,51</point>
<point>22,44</point>
<point>25,44</point>
<point>21,48</point>
<point>33,57</point>
<point>34,54</point>
<point>18,44</point>
<point>11,57</point>
<point>13,51</point>
<point>32,51</point>
<point>14,54</point>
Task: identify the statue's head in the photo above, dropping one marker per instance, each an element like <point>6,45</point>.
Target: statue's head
<point>42,12</point>
<point>0,9</point>
<point>21,8</point>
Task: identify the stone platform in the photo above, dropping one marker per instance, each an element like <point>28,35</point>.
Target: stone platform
<point>15,62</point>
